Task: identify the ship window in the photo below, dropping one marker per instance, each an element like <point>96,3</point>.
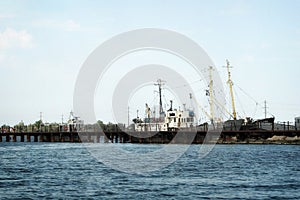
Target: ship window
<point>172,114</point>
<point>179,120</point>
<point>174,119</point>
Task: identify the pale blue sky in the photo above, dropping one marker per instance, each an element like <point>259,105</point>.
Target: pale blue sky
<point>44,43</point>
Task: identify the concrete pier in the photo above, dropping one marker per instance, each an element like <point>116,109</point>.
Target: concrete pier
<point>226,137</point>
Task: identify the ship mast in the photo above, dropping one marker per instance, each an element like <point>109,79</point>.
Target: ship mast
<point>230,83</point>
<point>160,83</point>
<point>211,94</point>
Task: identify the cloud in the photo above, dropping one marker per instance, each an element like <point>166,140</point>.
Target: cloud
<point>10,38</point>
<point>66,25</point>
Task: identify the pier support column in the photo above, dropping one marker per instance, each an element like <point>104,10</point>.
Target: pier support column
<point>36,138</point>
<point>7,138</point>
<point>41,138</point>
<point>112,138</point>
<point>1,138</point>
<point>72,137</point>
<point>22,138</point>
<point>28,138</point>
<point>120,137</point>
<point>117,138</point>
<point>89,138</point>
<point>14,138</point>
<point>105,139</point>
<point>62,138</point>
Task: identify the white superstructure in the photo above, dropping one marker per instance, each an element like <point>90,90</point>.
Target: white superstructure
<point>297,123</point>
<point>173,120</point>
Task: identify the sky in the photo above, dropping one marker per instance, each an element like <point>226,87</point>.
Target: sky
<point>43,45</point>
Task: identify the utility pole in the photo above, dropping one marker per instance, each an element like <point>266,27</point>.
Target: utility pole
<point>62,119</point>
<point>128,117</point>
<point>41,116</point>
<point>265,108</point>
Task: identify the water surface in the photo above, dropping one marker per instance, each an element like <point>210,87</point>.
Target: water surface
<point>68,171</point>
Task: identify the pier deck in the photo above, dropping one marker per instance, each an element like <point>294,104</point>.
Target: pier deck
<point>226,137</point>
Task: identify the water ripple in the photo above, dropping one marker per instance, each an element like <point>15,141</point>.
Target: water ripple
<point>67,171</point>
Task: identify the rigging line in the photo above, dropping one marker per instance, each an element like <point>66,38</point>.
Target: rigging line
<point>191,83</point>
<point>217,103</point>
<point>246,93</point>
<point>202,109</point>
<point>252,99</point>
<point>255,111</point>
<point>240,102</point>
<point>222,110</point>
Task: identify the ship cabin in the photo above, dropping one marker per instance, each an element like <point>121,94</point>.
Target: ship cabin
<point>179,119</point>
<point>173,120</point>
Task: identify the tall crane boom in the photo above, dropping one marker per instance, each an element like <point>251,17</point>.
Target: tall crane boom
<point>230,83</point>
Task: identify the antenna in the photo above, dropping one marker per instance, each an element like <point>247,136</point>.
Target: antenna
<point>41,116</point>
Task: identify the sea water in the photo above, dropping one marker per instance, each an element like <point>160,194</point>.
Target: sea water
<point>68,171</point>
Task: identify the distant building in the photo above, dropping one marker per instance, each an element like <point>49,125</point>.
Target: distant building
<point>297,123</point>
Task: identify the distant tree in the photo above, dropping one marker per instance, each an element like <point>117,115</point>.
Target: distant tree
<point>102,125</point>
<point>38,124</point>
<point>5,128</point>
